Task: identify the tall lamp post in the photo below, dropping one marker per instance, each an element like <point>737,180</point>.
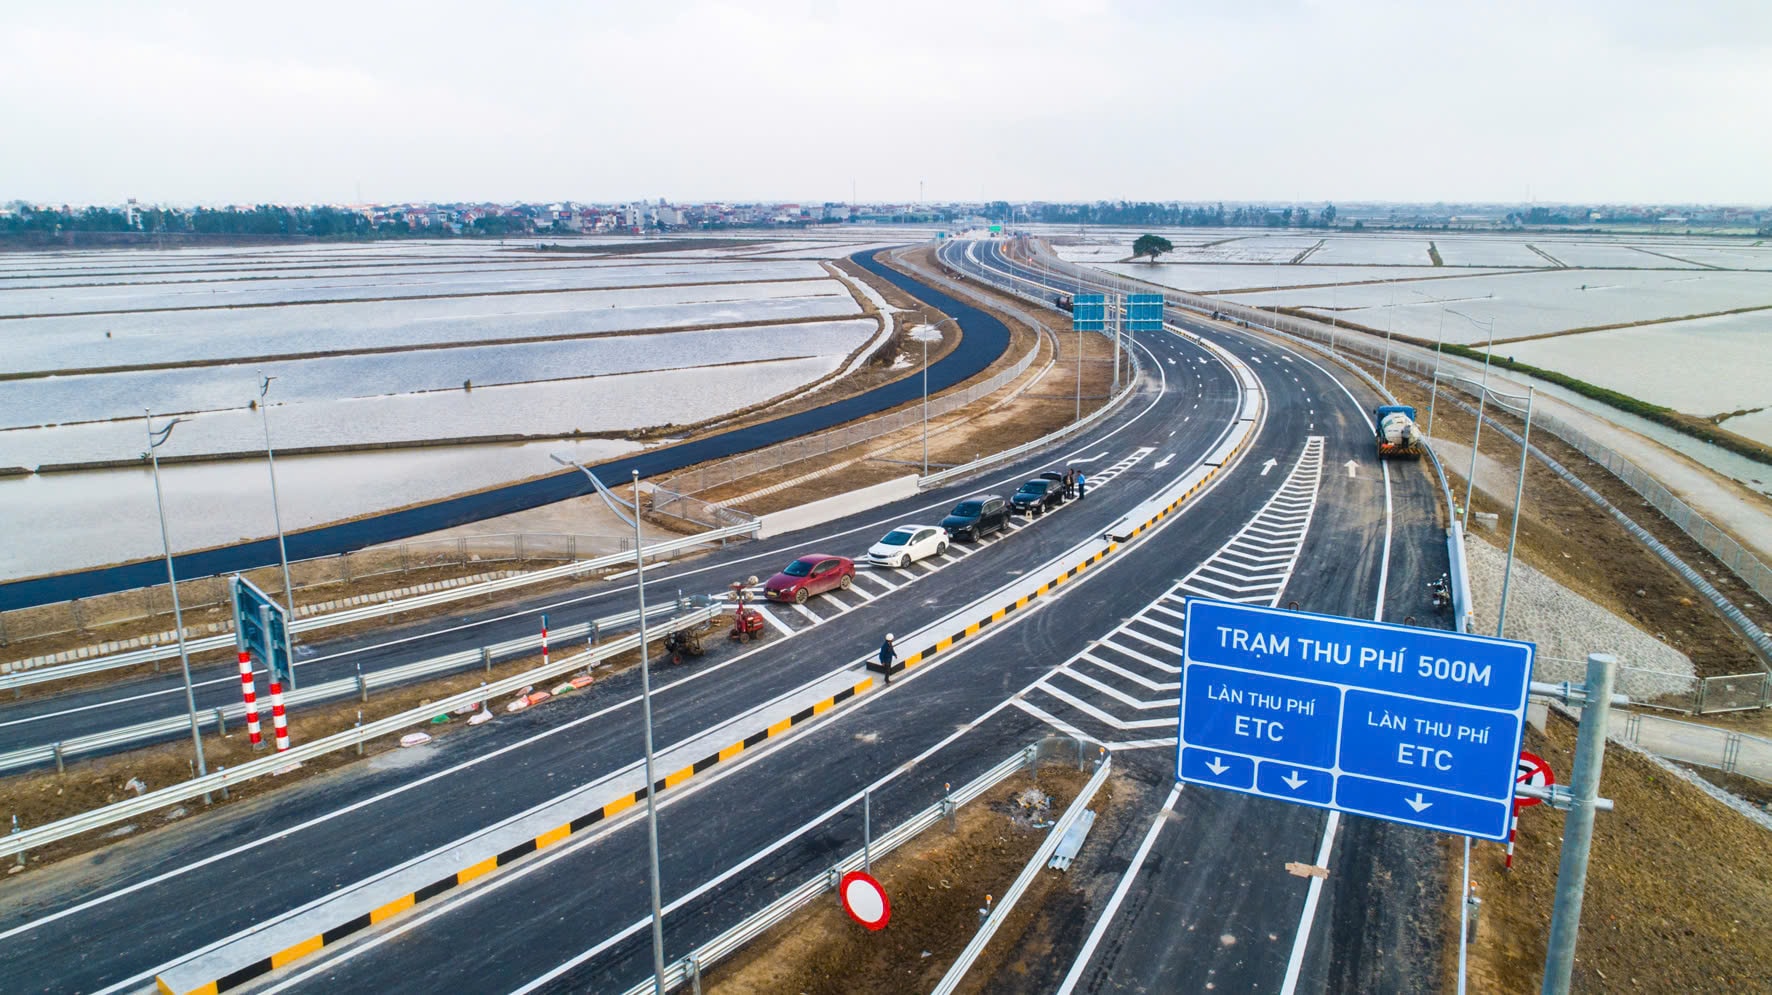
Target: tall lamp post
<point>264,387</point>
<point>156,439</point>
<point>645,722</point>
<point>1470,478</point>
<point>927,334</point>
<point>1439,345</point>
<point>1507,574</point>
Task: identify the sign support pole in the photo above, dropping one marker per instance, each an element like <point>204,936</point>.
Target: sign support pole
<point>1578,831</point>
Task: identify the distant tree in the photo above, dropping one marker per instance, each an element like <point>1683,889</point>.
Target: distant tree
<point>1328,215</point>
<point>1151,245</point>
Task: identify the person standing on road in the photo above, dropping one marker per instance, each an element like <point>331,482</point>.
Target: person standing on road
<point>1082,484</point>
<point>1070,483</point>
<point>887,655</point>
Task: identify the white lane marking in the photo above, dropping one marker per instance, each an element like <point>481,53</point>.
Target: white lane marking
<point>809,613</point>
<point>530,866</point>
<point>769,616</point>
<point>1160,464</point>
<point>1302,939</point>
<point>1154,641</point>
<point>873,577</point>
<point>1107,914</point>
<point>1050,719</point>
<point>1295,963</point>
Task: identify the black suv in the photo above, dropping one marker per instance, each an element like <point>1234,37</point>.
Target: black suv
<point>1036,497</point>
<point>977,517</point>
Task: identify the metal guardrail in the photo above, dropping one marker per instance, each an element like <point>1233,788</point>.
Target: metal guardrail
<point>44,675</point>
<point>31,839</point>
<point>1000,913</point>
<point>159,728</point>
<point>687,970</point>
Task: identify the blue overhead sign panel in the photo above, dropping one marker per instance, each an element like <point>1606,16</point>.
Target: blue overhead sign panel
<point>1144,312</point>
<point>1417,726</point>
<point>261,627</point>
<point>1089,313</point>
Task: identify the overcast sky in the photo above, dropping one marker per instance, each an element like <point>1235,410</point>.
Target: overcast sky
<point>1620,101</point>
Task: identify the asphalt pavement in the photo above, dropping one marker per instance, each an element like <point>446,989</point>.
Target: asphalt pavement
<point>566,919</point>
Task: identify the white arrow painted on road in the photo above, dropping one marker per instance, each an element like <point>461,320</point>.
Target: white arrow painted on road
<point>1160,464</point>
<point>1092,458</point>
<point>1217,767</point>
<point>1269,465</point>
<point>1294,781</point>
<point>1417,804</point>
<point>1351,467</point>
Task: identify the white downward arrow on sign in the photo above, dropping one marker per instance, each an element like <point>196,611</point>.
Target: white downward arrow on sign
<point>1217,767</point>
<point>1269,465</point>
<point>1417,804</point>
<point>1294,781</point>
<point>1351,467</point>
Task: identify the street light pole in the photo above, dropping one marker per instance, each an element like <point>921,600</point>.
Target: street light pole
<point>264,405</point>
<point>1507,574</point>
<point>1434,388</point>
<point>924,335</point>
<point>156,439</point>
<point>1470,478</point>
<point>651,779</point>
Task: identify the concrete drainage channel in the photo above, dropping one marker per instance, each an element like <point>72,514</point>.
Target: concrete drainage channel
<point>688,970</point>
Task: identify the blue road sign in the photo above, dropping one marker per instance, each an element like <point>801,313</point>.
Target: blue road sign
<point>1144,312</point>
<point>1089,313</point>
<point>1417,726</point>
<point>261,627</point>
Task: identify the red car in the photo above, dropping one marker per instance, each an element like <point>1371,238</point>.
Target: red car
<point>812,574</point>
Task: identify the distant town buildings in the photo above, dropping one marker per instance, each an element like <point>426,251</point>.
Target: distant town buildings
<point>637,217</point>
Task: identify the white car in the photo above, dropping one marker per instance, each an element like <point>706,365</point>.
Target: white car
<point>907,544</point>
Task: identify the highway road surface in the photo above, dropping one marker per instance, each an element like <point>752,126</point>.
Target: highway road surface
<point>1210,901</point>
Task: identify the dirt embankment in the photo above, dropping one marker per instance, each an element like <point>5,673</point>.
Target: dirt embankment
<point>1679,888</point>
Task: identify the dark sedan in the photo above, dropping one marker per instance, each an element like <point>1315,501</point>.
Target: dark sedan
<point>1036,497</point>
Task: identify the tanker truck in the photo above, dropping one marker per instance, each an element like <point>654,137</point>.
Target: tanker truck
<point>1397,435</point>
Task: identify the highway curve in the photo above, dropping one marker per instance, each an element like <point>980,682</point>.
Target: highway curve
<point>1221,870</point>
<point>982,341</point>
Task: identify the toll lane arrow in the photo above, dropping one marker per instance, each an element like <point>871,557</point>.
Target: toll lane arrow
<point>1217,766</point>
<point>1294,781</point>
<point>1269,465</point>
<point>1351,467</point>
<point>1163,462</point>
<point>1417,804</point>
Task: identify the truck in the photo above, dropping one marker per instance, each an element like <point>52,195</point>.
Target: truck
<point>1397,436</point>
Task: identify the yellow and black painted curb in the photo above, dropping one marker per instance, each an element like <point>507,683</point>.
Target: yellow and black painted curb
<point>553,836</point>
<point>515,853</point>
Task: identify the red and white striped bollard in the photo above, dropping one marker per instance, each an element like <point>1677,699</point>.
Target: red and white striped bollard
<point>279,724</point>
<point>249,691</point>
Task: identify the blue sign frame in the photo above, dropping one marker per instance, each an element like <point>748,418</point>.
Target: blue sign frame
<point>1144,312</point>
<point>1089,313</point>
<point>261,627</point>
<point>1418,726</point>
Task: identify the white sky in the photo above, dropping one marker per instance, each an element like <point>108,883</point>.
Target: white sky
<point>1621,101</point>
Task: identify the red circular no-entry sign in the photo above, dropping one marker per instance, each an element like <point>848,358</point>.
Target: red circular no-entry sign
<point>864,900</point>
<point>1534,771</point>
